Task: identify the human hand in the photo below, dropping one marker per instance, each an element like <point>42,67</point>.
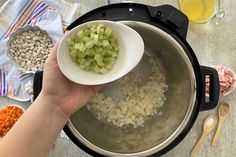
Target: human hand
<point>60,91</point>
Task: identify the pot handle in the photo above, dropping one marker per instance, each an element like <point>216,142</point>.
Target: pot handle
<point>214,88</point>
<point>38,82</point>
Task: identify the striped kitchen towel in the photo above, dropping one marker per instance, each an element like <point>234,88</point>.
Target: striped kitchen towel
<point>14,83</point>
<point>19,13</point>
<point>15,13</point>
<point>50,15</point>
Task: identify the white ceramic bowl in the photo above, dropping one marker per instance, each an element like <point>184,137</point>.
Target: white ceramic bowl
<point>131,50</point>
<point>19,31</point>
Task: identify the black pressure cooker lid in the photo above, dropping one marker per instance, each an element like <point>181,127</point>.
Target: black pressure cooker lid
<point>165,17</point>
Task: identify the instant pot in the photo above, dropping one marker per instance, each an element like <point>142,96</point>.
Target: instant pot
<point>163,29</point>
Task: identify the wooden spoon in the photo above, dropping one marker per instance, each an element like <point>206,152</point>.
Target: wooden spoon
<point>209,125</point>
<point>223,113</point>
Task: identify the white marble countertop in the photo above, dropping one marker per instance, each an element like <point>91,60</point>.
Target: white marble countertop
<point>213,44</point>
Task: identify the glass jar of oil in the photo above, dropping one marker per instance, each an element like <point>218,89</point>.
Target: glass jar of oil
<point>198,11</point>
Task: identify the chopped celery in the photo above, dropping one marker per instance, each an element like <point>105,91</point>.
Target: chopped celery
<point>94,36</point>
<point>103,70</point>
<point>90,44</point>
<point>94,48</point>
<point>109,59</point>
<point>80,34</point>
<point>109,66</point>
<point>108,31</point>
<point>105,43</point>
<point>73,54</point>
<point>96,69</point>
<point>85,39</point>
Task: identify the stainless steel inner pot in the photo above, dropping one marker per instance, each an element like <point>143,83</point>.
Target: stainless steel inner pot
<point>159,131</point>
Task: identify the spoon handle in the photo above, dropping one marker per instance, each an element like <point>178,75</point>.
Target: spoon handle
<point>198,144</point>
<point>218,131</point>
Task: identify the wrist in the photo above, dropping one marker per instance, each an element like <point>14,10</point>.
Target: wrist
<point>52,105</point>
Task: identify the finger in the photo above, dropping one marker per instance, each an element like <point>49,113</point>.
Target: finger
<point>97,88</point>
<point>53,53</point>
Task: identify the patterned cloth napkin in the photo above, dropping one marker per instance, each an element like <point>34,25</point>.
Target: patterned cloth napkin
<point>15,13</point>
<point>51,15</point>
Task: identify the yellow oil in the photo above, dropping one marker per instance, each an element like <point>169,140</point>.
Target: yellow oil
<point>198,10</point>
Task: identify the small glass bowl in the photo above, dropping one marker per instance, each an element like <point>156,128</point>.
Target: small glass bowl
<point>232,86</point>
